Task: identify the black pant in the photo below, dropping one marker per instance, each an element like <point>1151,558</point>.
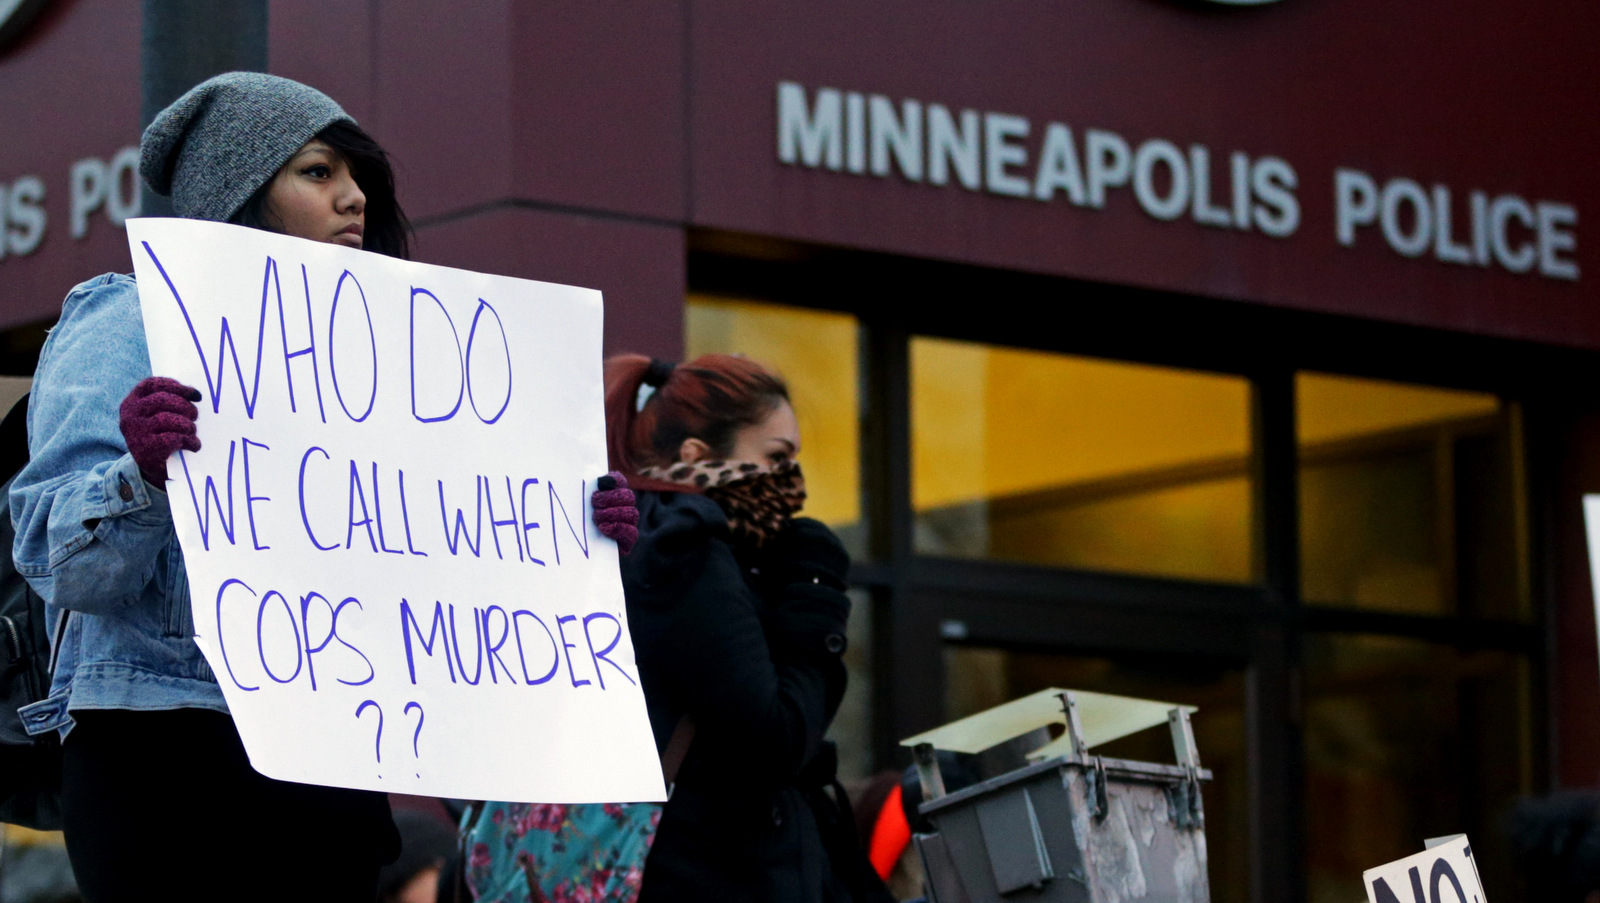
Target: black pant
<point>165,806</point>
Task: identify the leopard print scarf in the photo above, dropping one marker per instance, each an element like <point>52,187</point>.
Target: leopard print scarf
<point>758,500</point>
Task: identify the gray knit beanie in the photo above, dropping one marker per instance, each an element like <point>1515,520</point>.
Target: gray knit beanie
<point>214,146</point>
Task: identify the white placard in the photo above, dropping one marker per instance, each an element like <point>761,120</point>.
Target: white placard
<point>387,531</point>
<point>1446,873</point>
<point>1591,522</point>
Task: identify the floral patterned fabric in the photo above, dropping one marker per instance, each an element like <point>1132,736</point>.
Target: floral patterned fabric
<point>554,853</point>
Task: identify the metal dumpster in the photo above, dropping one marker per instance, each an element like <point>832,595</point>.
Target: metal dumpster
<point>1070,826</point>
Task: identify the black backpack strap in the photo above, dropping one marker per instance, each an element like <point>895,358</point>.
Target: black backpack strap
<point>13,457</point>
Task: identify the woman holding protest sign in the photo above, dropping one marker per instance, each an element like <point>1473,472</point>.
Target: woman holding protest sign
<point>737,610</point>
<point>158,796</point>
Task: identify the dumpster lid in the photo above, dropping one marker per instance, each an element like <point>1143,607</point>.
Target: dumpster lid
<point>1104,717</point>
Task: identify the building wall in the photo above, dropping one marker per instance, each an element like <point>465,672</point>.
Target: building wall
<point>536,141</point>
<point>671,113</point>
<point>69,92</point>
<point>578,142</point>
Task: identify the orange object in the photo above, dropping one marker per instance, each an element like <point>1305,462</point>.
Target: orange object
<point>890,835</point>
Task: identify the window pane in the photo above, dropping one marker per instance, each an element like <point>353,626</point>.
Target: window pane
<point>1407,740</point>
<point>980,677</point>
<point>1409,498</point>
<point>816,352</point>
<point>1073,461</point>
<point>851,729</point>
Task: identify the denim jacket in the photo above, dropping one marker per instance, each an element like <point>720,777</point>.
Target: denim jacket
<point>93,538</point>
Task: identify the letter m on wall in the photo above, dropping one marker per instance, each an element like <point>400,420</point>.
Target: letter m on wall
<point>811,136</point>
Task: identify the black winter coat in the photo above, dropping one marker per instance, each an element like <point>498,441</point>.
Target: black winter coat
<point>749,650</point>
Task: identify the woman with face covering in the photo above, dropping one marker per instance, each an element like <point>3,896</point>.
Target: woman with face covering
<point>159,800</point>
<point>737,611</point>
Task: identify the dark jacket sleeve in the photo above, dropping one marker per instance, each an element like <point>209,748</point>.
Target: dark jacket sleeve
<point>702,634</point>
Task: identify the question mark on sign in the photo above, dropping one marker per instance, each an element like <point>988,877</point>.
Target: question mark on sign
<point>417,734</point>
<point>377,741</point>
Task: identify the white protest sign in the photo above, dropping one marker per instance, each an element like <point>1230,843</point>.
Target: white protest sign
<point>1591,523</point>
<point>387,530</point>
<point>1444,873</point>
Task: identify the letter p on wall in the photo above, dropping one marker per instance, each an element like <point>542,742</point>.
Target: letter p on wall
<point>112,185</point>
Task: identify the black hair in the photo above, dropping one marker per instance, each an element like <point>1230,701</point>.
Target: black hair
<point>1557,842</point>
<point>387,231</point>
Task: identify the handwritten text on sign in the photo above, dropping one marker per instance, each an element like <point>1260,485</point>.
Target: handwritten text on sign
<point>387,534</point>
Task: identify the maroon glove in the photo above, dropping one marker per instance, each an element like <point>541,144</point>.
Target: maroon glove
<point>158,419</point>
<point>615,510</point>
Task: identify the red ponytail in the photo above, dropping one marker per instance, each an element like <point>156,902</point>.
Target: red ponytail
<point>710,398</point>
